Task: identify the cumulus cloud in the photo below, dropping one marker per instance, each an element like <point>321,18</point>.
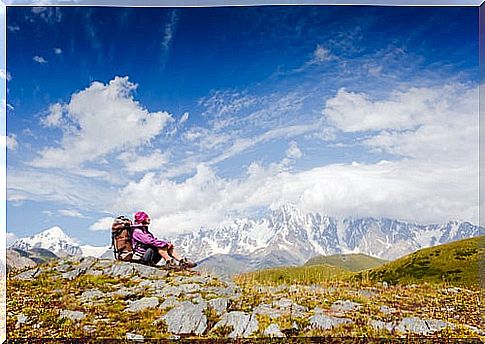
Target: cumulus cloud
<point>433,123</point>
<point>103,224</point>
<point>138,162</point>
<point>57,51</point>
<point>101,119</point>
<point>184,118</point>
<point>39,59</point>
<point>401,189</point>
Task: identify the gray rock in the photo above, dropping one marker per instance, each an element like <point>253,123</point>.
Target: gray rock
<point>387,310</point>
<point>103,263</point>
<point>149,271</point>
<point>21,319</point>
<point>153,284</point>
<point>91,295</point>
<point>187,318</point>
<point>265,309</point>
<point>219,305</point>
<point>120,269</point>
<point>189,288</point>
<point>325,322</point>
<point>367,293</point>
<point>379,325</point>
<point>133,336</point>
<point>73,274</point>
<point>89,328</point>
<point>273,330</point>
<point>345,306</point>
<point>94,272</point>
<point>169,291</point>
<point>122,293</point>
<point>243,324</point>
<point>28,275</point>
<point>290,307</point>
<point>72,315</point>
<point>421,326</point>
<point>169,303</point>
<point>142,304</point>
<point>63,267</point>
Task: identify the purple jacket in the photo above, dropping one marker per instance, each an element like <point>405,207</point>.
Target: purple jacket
<point>142,239</point>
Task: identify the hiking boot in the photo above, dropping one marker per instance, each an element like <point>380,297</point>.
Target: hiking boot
<point>187,263</point>
<point>171,264</point>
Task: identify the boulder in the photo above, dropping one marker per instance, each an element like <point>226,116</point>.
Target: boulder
<point>186,318</point>
<point>324,322</point>
<point>142,304</point>
<point>28,275</point>
<point>72,315</point>
<point>243,324</point>
<point>345,306</point>
<point>219,305</point>
<point>273,330</point>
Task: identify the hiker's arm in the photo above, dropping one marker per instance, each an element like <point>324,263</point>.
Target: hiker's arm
<point>148,239</point>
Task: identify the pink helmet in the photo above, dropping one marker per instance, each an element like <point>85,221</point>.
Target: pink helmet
<point>141,216</point>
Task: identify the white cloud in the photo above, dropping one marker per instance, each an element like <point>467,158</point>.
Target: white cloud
<point>13,28</point>
<point>57,51</point>
<point>438,124</point>
<point>39,59</point>
<point>103,224</point>
<point>408,190</point>
<point>293,151</point>
<point>138,163</point>
<point>99,120</point>
<point>71,213</point>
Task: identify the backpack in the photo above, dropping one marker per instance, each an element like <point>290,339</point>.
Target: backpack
<point>121,232</point>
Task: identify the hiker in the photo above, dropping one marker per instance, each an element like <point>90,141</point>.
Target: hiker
<point>151,250</point>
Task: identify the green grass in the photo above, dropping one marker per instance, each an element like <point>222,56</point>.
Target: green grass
<point>295,275</point>
<point>351,262</point>
<point>455,263</point>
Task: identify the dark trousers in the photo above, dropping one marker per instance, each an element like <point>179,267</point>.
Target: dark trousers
<point>151,256</point>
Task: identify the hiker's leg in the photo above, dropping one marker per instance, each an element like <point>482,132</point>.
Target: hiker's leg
<point>172,253</point>
<point>151,256</point>
<point>164,254</point>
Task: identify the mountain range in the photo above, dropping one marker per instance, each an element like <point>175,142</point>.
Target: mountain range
<point>285,236</point>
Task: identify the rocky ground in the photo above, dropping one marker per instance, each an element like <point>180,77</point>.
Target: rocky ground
<point>88,297</point>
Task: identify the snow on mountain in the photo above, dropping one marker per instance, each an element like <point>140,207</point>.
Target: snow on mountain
<point>94,251</point>
<point>289,235</point>
<point>53,239</point>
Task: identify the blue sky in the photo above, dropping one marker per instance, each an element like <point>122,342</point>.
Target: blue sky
<point>200,115</point>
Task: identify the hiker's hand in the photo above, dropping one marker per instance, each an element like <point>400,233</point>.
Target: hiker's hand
<point>169,245</point>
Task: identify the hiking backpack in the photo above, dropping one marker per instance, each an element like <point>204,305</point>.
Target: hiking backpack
<point>121,232</point>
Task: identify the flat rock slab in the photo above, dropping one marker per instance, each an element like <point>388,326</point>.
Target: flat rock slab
<point>273,330</point>
<point>243,324</point>
<point>421,326</point>
<point>345,306</point>
<point>28,275</point>
<point>72,315</point>
<point>326,323</point>
<point>219,305</point>
<point>142,304</point>
<point>187,318</point>
<point>265,309</point>
<point>169,303</point>
<point>91,295</point>
<point>149,271</point>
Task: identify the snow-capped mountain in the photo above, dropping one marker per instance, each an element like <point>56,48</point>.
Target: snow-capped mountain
<point>55,240</point>
<point>290,236</point>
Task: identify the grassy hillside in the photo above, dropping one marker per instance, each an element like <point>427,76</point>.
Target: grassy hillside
<point>455,263</point>
<point>295,275</point>
<point>351,262</point>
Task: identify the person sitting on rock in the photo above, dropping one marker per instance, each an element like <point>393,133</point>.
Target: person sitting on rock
<point>150,250</point>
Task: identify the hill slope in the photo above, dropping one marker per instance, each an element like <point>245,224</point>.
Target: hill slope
<point>351,262</point>
<point>455,262</point>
